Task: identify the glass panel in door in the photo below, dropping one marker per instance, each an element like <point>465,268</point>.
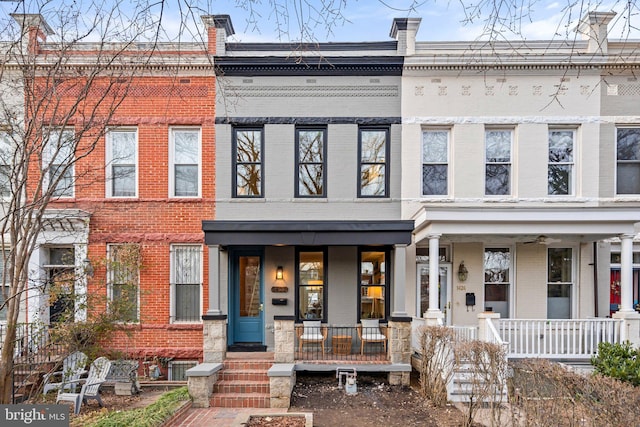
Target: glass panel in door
<point>443,284</point>
<point>249,286</point>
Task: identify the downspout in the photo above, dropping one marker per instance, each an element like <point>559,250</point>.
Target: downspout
<point>595,278</point>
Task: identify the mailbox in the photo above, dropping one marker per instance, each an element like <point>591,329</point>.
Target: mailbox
<point>279,301</point>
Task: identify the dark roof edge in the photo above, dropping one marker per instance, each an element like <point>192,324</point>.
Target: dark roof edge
<point>312,47</point>
<point>278,226</point>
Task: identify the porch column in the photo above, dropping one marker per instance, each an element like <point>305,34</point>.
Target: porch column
<point>626,273</point>
<point>434,315</point>
<point>399,280</point>
<point>214,281</point>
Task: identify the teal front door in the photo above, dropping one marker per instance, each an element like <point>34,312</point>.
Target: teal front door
<point>248,307</point>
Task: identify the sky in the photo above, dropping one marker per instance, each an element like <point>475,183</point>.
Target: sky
<point>370,20</point>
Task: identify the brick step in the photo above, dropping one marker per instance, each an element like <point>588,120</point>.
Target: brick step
<point>252,365</point>
<point>243,375</point>
<point>240,400</point>
<point>223,387</point>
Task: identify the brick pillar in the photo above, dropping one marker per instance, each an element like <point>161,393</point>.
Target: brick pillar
<point>399,348</point>
<point>214,338</point>
<point>284,335</point>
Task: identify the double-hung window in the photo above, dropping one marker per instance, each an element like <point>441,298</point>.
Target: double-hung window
<point>4,284</point>
<point>58,161</point>
<point>435,162</point>
<point>374,284</point>
<point>374,162</point>
<point>559,282</point>
<point>248,163</point>
<point>6,161</point>
<point>185,155</point>
<point>628,160</point>
<point>498,148</point>
<point>124,278</point>
<point>312,286</point>
<point>186,282</point>
<point>561,162</point>
<point>311,154</point>
<point>122,163</point>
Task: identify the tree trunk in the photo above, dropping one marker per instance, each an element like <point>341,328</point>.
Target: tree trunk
<point>6,364</point>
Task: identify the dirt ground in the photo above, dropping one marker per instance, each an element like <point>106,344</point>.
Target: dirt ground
<point>375,404</point>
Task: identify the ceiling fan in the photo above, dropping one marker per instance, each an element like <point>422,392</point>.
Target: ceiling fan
<point>543,240</point>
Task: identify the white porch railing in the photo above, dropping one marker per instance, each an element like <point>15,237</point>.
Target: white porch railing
<point>574,339</point>
<point>462,333</point>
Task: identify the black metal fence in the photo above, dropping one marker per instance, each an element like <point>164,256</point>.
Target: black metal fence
<point>339,343</point>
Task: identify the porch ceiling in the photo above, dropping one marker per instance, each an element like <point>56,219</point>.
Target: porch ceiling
<point>335,233</point>
<point>524,225</point>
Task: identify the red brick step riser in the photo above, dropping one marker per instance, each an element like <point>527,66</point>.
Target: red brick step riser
<point>239,401</point>
<point>238,387</point>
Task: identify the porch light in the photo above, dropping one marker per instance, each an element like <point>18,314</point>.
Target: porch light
<point>88,268</point>
<point>463,273</point>
<point>279,273</point>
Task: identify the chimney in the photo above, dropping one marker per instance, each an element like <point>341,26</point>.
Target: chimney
<point>34,27</point>
<point>218,27</point>
<point>593,27</point>
<point>404,30</point>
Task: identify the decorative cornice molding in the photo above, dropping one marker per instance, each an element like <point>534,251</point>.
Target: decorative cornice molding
<point>319,91</point>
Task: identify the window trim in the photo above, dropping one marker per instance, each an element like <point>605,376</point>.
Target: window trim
<point>173,164</point>
<point>388,277</point>
<point>574,169</point>
<point>173,285</point>
<point>512,132</point>
<point>573,284</point>
<point>109,162</point>
<point>324,131</point>
<point>617,161</point>
<point>5,193</point>
<point>110,284</point>
<point>386,163</point>
<point>511,282</point>
<point>448,162</point>
<point>325,293</point>
<point>47,162</point>
<point>234,162</point>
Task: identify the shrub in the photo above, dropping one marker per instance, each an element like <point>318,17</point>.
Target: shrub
<point>620,361</point>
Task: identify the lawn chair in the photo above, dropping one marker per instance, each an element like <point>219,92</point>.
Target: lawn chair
<point>73,367</point>
<point>370,331</point>
<point>91,386</point>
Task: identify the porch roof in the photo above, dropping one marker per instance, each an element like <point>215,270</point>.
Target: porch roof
<point>308,233</point>
<point>523,224</point>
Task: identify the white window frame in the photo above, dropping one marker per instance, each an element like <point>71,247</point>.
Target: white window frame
<point>573,298</point>
<point>47,159</point>
<point>110,283</point>
<point>447,163</point>
<point>512,171</point>
<point>173,284</point>
<point>6,142</point>
<point>172,163</point>
<point>109,162</point>
<point>617,161</point>
<point>512,275</point>
<point>572,180</point>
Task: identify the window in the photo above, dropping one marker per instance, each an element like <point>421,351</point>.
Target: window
<point>373,284</point>
<point>185,160</point>
<point>6,160</point>
<point>123,272</point>
<point>178,369</point>
<point>559,283</point>
<point>4,282</point>
<point>561,155</point>
<point>310,160</point>
<point>122,161</point>
<point>374,156</point>
<point>58,161</point>
<point>186,282</point>
<point>435,162</point>
<point>311,284</point>
<point>497,267</point>
<point>247,161</point>
<point>628,160</point>
<point>498,162</point>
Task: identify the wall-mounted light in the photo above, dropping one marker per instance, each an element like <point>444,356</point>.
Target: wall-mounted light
<point>279,273</point>
<point>88,268</point>
<point>463,273</point>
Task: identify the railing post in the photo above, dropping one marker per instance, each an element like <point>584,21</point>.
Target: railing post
<point>214,338</point>
<point>284,336</point>
<point>483,329</point>
<point>629,327</point>
<point>400,348</point>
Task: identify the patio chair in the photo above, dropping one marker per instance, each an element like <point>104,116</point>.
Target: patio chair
<point>312,332</point>
<point>73,367</point>
<point>91,385</point>
<point>370,331</point>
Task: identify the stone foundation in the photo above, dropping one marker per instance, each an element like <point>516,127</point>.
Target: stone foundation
<point>200,382</point>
